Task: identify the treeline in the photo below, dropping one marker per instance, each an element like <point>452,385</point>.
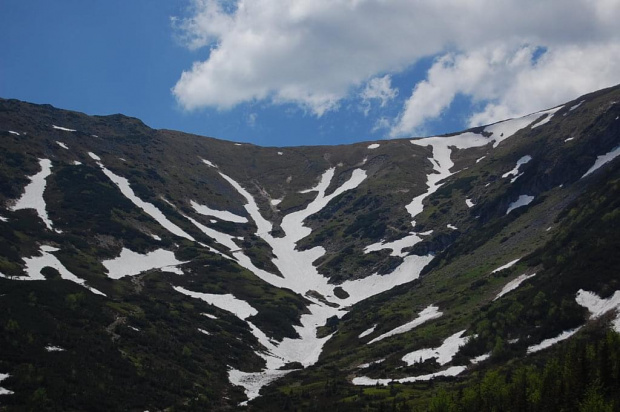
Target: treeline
<point>583,376</point>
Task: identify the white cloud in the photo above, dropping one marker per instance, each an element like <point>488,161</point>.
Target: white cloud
<point>378,88</point>
<point>510,80</point>
<point>314,53</point>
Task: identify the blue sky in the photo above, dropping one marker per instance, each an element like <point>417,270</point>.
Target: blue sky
<point>293,72</point>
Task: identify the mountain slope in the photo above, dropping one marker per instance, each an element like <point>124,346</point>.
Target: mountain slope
<point>195,271</point>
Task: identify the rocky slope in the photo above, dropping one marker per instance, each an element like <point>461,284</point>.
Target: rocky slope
<point>152,269</point>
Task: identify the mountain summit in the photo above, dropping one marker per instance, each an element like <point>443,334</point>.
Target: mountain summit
<point>147,269</point>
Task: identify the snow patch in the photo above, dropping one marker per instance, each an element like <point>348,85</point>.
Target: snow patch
<point>210,316</point>
<point>374,146</point>
<point>450,226</point>
<point>208,163</point>
<point>61,144</point>
<point>12,132</point>
<point>513,284</point>
<point>469,203</point>
<point>443,354</point>
<point>3,219</point>
<point>220,214</point>
<point>35,264</point>
<point>33,193</point>
<point>480,358</point>
<point>431,312</point>
<point>547,343</point>
<point>276,202</point>
<point>4,391</point>
<point>54,349</point>
<point>280,153</point>
<point>63,128</point>
<point>94,156</point>
<point>76,163</point>
<point>523,200</point>
<point>368,331</point>
<point>148,208</point>
<point>252,382</point>
<point>506,266</point>
<point>451,371</point>
<point>480,159</point>
<point>204,331</point>
<point>603,159</point>
<point>130,263</point>
<point>597,306</point>
<point>576,106</point>
<point>546,119</point>
<point>568,139</point>
<point>515,171</point>
<point>239,308</point>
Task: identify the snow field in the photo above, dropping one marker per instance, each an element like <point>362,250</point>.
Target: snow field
<point>597,306</point>
<point>602,160</point>
<point>443,354</point>
<point>130,263</point>
<point>148,208</point>
<point>431,312</point>
<point>513,284</point>
<point>547,343</point>
<point>33,193</point>
<point>220,214</point>
<point>34,265</point>
<point>523,200</point>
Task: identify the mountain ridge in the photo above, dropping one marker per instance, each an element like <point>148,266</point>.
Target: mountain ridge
<point>298,251</point>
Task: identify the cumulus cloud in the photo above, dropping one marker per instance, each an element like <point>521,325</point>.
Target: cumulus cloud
<point>315,53</point>
<point>378,88</point>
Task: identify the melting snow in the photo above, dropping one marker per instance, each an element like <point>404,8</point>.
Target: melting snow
<point>523,200</point>
<point>443,354</point>
<point>503,130</point>
<point>3,391</point>
<point>469,203</point>
<point>603,159</point>
<point>254,381</point>
<point>63,128</point>
<point>365,365</point>
<point>61,144</point>
<point>506,266</point>
<point>220,214</point>
<point>515,172</point>
<point>481,358</point>
<point>148,208</point>
<point>94,156</point>
<point>546,119</point>
<point>208,163</point>
<point>368,331</point>
<point>239,308</point>
<point>576,106</point>
<point>33,193</point>
<point>513,284</point>
<point>452,371</point>
<point>54,349</point>
<point>597,306</point>
<point>374,146</point>
<point>431,312</point>
<point>130,263</point>
<point>547,343</point>
<point>35,264</point>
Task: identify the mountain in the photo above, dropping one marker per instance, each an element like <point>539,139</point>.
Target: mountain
<point>146,269</point>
